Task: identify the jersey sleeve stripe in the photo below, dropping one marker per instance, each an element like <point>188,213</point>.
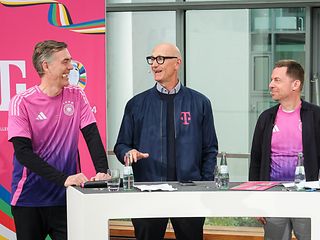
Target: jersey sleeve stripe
<point>18,191</point>
<point>15,110</point>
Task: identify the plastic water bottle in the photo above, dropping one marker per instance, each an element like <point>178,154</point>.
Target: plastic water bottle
<point>300,176</point>
<point>128,179</point>
<point>224,172</point>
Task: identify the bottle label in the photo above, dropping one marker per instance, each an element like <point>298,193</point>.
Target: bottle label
<point>299,170</point>
<point>224,169</point>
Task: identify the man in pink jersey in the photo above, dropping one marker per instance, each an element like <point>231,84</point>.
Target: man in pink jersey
<point>283,131</point>
<point>43,125</point>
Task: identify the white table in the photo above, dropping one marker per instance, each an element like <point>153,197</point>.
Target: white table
<point>90,209</point>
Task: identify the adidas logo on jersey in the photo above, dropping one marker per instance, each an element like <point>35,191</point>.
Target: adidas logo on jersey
<point>275,129</point>
<point>41,116</point>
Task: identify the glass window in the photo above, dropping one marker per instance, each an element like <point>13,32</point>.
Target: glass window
<point>274,34</point>
<point>230,55</point>
<point>130,38</point>
<point>217,46</point>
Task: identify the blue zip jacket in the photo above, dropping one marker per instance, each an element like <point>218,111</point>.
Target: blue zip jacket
<point>143,128</point>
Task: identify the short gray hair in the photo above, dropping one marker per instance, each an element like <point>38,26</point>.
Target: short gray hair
<point>43,51</point>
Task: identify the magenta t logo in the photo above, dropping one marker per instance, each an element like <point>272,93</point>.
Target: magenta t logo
<point>185,118</point>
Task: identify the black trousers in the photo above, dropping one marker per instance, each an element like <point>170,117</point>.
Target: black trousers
<point>155,228</point>
<point>35,223</point>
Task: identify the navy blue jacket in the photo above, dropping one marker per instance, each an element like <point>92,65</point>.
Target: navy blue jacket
<point>261,144</point>
<point>144,128</point>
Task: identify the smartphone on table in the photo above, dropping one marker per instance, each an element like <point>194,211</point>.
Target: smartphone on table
<point>187,183</point>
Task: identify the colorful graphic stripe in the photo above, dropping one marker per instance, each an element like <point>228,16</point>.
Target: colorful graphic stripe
<point>4,194</point>
<point>7,221</point>
<point>7,234</point>
<point>25,2</point>
<point>7,228</point>
<point>5,207</point>
<point>59,16</point>
<point>95,26</point>
<point>82,76</point>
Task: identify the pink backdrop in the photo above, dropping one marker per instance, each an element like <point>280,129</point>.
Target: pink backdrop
<point>21,28</point>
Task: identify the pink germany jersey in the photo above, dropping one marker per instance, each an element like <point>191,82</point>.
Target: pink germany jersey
<point>53,124</point>
<point>285,145</point>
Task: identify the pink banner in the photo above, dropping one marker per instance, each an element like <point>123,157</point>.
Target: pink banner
<point>24,23</point>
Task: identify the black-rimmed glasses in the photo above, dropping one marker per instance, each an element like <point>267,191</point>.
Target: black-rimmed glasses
<point>159,59</point>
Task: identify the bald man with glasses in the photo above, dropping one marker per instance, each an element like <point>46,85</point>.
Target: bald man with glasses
<point>167,134</point>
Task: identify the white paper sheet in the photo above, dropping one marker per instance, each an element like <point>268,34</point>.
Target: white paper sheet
<point>311,184</point>
<point>155,187</point>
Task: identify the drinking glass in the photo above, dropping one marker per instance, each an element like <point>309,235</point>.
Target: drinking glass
<point>114,181</point>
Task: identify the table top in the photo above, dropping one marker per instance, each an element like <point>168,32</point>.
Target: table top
<point>200,186</point>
